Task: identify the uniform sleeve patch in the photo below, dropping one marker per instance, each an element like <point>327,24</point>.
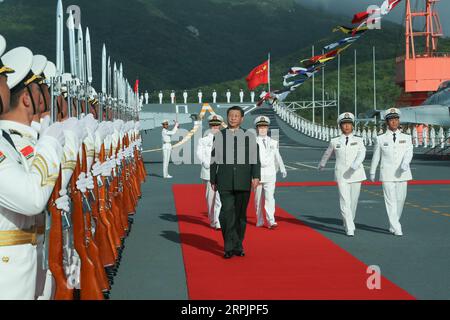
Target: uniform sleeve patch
<point>28,152</point>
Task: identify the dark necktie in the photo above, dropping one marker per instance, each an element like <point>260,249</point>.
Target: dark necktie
<point>395,138</point>
<point>346,140</point>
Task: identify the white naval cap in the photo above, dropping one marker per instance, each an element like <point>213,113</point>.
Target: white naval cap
<point>20,60</point>
<point>2,45</point>
<point>39,63</point>
<point>262,121</point>
<point>346,117</point>
<point>392,113</point>
<point>165,121</point>
<point>3,68</point>
<point>215,120</point>
<point>50,70</point>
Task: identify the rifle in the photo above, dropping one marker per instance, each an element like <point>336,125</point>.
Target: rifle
<point>90,288</point>
<point>55,257</point>
<point>92,247</point>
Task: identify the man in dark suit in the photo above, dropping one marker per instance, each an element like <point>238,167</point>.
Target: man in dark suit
<point>235,169</point>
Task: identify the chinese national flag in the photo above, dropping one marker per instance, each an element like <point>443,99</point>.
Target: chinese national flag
<point>136,86</point>
<point>259,75</point>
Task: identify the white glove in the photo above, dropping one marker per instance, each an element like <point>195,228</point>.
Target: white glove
<point>90,123</point>
<point>82,182</point>
<point>96,168</point>
<point>89,181</point>
<point>354,166</point>
<point>372,177</point>
<point>75,126</point>
<point>55,131</point>
<point>62,203</point>
<point>284,174</point>
<point>320,167</point>
<point>405,167</point>
<point>45,123</point>
<point>118,124</point>
<point>106,169</point>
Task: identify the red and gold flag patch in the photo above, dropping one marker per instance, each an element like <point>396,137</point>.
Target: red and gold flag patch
<point>28,152</point>
<point>2,157</point>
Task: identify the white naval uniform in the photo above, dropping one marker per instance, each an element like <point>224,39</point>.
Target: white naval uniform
<point>393,156</point>
<point>415,137</point>
<point>167,148</point>
<point>349,173</point>
<point>23,195</point>
<point>425,136</point>
<point>214,204</point>
<point>214,95</point>
<point>24,138</point>
<point>271,163</point>
<point>185,96</point>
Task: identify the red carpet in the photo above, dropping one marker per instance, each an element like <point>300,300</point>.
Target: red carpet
<point>292,262</point>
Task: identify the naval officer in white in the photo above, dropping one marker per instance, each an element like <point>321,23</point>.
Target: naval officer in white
<point>395,151</point>
<point>204,150</point>
<point>349,172</point>
<point>271,163</point>
<point>167,146</point>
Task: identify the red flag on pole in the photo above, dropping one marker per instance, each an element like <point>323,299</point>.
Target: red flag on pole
<point>259,75</point>
<point>136,86</point>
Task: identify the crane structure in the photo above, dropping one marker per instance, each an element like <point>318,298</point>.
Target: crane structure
<point>423,68</point>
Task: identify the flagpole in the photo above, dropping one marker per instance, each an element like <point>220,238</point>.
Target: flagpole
<point>374,82</point>
<point>313,94</point>
<point>269,71</point>
<point>356,99</point>
<point>339,86</point>
<point>323,94</point>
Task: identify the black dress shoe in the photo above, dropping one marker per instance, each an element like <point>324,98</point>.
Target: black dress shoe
<point>228,255</point>
<point>239,253</point>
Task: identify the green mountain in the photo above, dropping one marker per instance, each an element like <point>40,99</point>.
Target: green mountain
<point>213,44</point>
<point>173,43</point>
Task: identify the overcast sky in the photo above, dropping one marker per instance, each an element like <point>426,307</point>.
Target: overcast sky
<point>352,6</point>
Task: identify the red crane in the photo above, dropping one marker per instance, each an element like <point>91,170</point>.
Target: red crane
<point>423,68</point>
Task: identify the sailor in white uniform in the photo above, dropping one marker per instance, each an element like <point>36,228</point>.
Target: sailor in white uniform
<point>441,137</point>
<point>160,96</point>
<point>349,171</point>
<point>214,96</point>
<point>271,163</point>
<point>200,96</point>
<point>185,96</point>
<point>167,146</point>
<point>252,96</point>
<point>24,190</point>
<point>146,97</point>
<point>395,151</point>
<point>204,150</point>
<point>415,136</point>
<point>425,136</point>
<point>172,97</point>
<point>228,96</point>
<point>241,96</point>
<point>433,137</point>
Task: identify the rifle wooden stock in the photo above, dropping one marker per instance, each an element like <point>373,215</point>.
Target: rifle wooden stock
<point>92,248</point>
<point>55,255</point>
<point>103,210</point>
<point>101,233</point>
<point>111,216</point>
<point>90,288</point>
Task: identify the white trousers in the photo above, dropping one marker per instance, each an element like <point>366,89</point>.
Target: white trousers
<point>166,159</point>
<point>394,199</point>
<point>214,205</point>
<point>348,199</point>
<point>269,203</point>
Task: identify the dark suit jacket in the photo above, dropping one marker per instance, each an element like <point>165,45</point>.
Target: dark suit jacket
<point>234,160</point>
